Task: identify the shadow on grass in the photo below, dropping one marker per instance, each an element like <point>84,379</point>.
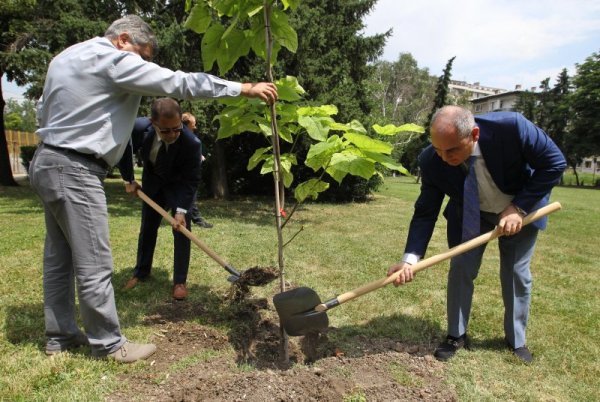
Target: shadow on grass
<point>251,210</point>
<point>20,200</point>
<point>24,323</point>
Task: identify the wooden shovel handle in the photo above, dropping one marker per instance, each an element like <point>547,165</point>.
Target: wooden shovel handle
<point>427,262</point>
<point>183,229</point>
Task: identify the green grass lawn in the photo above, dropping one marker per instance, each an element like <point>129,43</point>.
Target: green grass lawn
<point>340,248</point>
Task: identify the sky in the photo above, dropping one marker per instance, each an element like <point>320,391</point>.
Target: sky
<point>498,43</point>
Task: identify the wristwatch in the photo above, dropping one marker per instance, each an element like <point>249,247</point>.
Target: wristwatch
<point>520,210</point>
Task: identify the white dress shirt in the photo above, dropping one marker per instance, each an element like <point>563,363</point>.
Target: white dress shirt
<point>93,91</point>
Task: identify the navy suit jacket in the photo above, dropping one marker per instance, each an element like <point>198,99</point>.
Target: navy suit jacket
<point>521,158</point>
<point>183,161</point>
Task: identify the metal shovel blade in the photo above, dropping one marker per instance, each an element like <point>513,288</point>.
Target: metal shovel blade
<point>296,310</point>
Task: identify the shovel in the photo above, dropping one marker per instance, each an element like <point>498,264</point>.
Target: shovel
<point>301,312</point>
<point>235,274</point>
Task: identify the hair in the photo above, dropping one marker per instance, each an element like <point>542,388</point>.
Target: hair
<point>165,107</point>
<point>139,32</point>
<point>186,117</point>
<point>462,119</point>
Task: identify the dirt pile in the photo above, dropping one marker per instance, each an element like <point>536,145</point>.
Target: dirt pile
<point>200,362</point>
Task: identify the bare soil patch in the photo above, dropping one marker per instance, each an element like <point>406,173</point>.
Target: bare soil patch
<point>242,362</point>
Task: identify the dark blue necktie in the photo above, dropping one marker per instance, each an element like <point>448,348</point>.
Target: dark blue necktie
<point>470,223</point>
<point>160,164</point>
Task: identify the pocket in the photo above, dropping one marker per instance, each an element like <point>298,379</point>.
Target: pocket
<point>48,181</point>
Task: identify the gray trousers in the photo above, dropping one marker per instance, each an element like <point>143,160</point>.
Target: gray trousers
<point>515,278</point>
<point>77,249</point>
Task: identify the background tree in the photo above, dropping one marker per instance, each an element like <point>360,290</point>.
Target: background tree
<point>403,92</point>
<point>331,63</point>
<point>20,116</point>
<point>414,148</point>
<point>33,31</point>
<point>550,109</point>
<point>583,138</point>
<point>526,104</point>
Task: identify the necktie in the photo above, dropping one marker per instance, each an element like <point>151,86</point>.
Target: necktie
<point>470,223</point>
<point>160,164</point>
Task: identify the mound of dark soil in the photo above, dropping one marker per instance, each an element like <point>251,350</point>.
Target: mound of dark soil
<point>202,363</point>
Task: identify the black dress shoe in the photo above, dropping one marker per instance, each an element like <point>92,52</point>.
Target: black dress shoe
<point>450,346</point>
<point>524,354</point>
<point>202,223</point>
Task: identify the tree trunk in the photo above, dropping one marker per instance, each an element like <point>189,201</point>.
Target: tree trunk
<point>574,166</point>
<point>6,176</point>
<point>220,188</point>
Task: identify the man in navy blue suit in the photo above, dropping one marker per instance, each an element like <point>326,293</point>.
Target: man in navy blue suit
<point>515,165</point>
<point>171,158</point>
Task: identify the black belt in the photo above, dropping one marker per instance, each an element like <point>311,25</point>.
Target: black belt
<point>66,151</point>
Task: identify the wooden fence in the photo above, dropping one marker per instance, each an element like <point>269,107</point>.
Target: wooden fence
<point>14,141</point>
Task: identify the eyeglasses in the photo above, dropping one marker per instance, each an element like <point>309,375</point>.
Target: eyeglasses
<point>176,130</point>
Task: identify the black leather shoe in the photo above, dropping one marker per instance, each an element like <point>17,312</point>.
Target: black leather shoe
<point>524,354</point>
<point>450,346</point>
<point>202,223</point>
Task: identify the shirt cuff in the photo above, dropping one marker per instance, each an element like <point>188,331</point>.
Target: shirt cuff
<point>410,258</point>
<point>181,211</point>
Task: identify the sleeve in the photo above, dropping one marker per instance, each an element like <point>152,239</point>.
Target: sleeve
<point>427,210</point>
<point>545,159</point>
<point>133,74</point>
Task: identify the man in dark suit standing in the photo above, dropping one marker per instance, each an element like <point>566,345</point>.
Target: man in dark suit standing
<point>495,168</point>
<point>171,155</point>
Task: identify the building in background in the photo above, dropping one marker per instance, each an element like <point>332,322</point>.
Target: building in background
<point>501,102</point>
<point>472,91</point>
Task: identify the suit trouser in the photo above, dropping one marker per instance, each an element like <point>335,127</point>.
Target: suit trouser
<point>515,278</point>
<point>77,248</point>
<point>147,243</point>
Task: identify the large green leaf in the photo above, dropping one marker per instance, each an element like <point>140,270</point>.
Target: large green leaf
<point>232,47</point>
<point>366,143</point>
<point>288,94</point>
<point>310,189</point>
<point>226,7</point>
<point>199,19</point>
<point>320,153</point>
<point>286,134</point>
<point>357,127</point>
<point>289,89</point>
<point>336,173</point>
<point>232,24</point>
<point>234,123</point>
<point>353,164</point>
<point>287,160</point>
<point>290,3</point>
<point>259,155</point>
<point>391,129</point>
<point>287,113</point>
<point>324,110</point>
<point>210,45</point>
<point>316,127</point>
<point>386,161</point>
<point>257,40</point>
<point>268,166</point>
<point>282,31</point>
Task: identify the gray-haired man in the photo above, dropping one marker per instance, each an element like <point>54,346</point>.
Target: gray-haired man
<point>91,98</point>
